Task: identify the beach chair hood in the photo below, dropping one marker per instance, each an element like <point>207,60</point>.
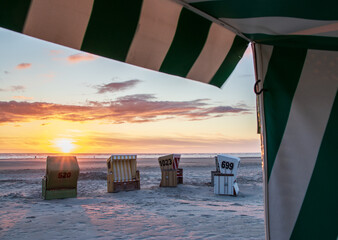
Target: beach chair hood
<point>61,172</point>
<point>295,49</point>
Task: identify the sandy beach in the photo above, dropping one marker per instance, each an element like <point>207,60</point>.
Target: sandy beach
<point>190,211</point>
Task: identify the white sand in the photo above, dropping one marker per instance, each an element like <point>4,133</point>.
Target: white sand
<point>189,211</point>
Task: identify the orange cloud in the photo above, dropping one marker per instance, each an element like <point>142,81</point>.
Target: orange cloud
<point>23,65</point>
<point>133,109</point>
<point>55,52</point>
<point>22,98</point>
<point>75,58</point>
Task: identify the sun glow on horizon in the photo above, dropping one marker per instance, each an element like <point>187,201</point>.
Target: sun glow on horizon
<point>64,144</point>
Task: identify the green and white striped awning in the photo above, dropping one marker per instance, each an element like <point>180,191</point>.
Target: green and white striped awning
<point>299,110</point>
<point>156,34</point>
<point>296,62</point>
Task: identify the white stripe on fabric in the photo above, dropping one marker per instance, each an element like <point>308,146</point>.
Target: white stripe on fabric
<point>263,54</point>
<point>129,170</point>
<point>297,154</point>
<point>116,171</point>
<point>264,59</point>
<point>62,21</point>
<point>123,171</point>
<point>280,25</point>
<point>155,33</point>
<point>215,50</point>
<point>333,27</point>
<point>119,172</point>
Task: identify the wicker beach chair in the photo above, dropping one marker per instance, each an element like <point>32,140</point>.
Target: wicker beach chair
<point>122,173</point>
<point>171,174</point>
<point>61,177</point>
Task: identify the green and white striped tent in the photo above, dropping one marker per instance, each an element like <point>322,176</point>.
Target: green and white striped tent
<point>295,47</point>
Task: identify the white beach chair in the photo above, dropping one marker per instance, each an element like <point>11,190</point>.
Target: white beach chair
<point>225,179</point>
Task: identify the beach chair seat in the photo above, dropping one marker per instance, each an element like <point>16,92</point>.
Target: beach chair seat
<point>224,179</point>
<point>171,175</point>
<point>122,173</point>
<point>61,177</point>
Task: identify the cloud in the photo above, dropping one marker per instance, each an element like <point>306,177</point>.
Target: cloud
<point>75,58</point>
<point>117,86</point>
<point>132,109</point>
<point>55,52</point>
<point>17,88</point>
<point>23,65</point>
<point>178,143</point>
<point>22,98</point>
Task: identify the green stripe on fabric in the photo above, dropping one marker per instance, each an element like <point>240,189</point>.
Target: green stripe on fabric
<point>13,14</point>
<point>284,70</point>
<point>191,34</point>
<point>111,28</point>
<point>230,62</point>
<point>318,217</point>
<point>323,10</point>
<point>309,42</point>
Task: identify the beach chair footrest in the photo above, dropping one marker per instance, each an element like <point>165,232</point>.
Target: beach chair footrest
<point>124,186</point>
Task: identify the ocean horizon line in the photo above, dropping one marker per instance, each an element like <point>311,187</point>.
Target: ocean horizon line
<point>106,155</point>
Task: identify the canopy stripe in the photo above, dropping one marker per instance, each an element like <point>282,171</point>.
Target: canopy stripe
<point>301,90</point>
<point>320,10</point>
<point>187,44</point>
<point>284,69</point>
<point>321,185</point>
<point>155,34</point>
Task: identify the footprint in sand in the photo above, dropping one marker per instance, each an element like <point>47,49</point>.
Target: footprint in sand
<point>228,210</point>
<point>236,204</point>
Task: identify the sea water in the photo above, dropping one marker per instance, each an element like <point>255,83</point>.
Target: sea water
<point>30,161</point>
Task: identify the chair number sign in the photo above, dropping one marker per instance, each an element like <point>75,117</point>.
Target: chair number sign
<point>64,174</point>
<point>166,162</point>
<point>227,165</point>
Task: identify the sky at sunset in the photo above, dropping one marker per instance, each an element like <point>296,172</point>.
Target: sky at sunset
<point>56,99</point>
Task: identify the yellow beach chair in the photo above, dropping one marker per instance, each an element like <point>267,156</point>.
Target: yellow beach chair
<point>171,174</point>
<point>122,173</point>
<point>61,177</point>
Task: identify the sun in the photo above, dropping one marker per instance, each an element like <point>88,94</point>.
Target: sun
<point>64,144</point>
